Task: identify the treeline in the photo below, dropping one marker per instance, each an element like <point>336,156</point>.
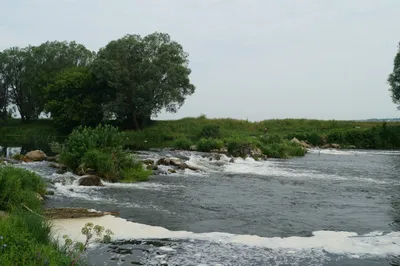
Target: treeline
<point>128,81</point>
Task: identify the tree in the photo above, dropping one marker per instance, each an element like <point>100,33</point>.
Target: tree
<point>3,100</point>
<point>26,72</point>
<point>394,79</point>
<point>74,99</point>
<point>147,74</point>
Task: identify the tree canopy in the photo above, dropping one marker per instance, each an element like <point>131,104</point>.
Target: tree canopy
<point>394,79</point>
<point>26,72</point>
<point>148,74</point>
<point>130,79</point>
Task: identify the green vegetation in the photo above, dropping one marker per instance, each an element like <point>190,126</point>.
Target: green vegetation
<point>19,187</point>
<point>129,80</point>
<point>239,136</point>
<point>100,149</point>
<point>25,236</point>
<point>394,79</point>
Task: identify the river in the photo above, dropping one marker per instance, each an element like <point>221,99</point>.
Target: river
<point>331,207</point>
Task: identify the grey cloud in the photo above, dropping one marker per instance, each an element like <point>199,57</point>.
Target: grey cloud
<point>254,59</point>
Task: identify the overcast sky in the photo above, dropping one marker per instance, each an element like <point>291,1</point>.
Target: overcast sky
<point>250,59</point>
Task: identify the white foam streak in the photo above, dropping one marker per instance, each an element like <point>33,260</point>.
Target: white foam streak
<point>348,243</point>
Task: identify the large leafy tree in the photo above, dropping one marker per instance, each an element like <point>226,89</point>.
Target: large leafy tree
<point>394,79</point>
<point>148,74</point>
<point>26,72</point>
<point>75,98</point>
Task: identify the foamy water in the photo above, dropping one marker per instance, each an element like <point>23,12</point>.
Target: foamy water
<point>340,243</point>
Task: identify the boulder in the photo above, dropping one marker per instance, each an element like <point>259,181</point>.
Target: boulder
<point>36,156</point>
<point>232,160</point>
<point>175,162</point>
<point>305,145</point>
<point>295,140</point>
<point>172,171</point>
<point>326,146</point>
<point>90,181</point>
<point>164,161</point>
<point>335,146</point>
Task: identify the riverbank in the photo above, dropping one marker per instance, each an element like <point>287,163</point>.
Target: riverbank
<point>211,134</point>
<point>25,237</point>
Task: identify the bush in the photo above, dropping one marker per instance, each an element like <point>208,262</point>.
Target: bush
<point>182,143</point>
<point>83,139</point>
<point>210,132</point>
<point>135,174</point>
<point>207,145</point>
<point>283,150</point>
<point>19,186</point>
<point>241,147</point>
<point>100,149</point>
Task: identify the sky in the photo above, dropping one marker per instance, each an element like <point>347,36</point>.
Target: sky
<point>250,59</point>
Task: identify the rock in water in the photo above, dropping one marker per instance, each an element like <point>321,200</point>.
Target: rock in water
<point>65,213</point>
<point>164,161</point>
<point>335,146</point>
<point>90,181</point>
<point>36,156</point>
<point>305,145</point>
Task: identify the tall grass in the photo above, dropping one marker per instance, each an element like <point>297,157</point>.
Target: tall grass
<point>19,186</point>
<point>25,236</point>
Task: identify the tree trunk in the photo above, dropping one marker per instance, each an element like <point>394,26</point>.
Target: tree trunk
<point>135,121</point>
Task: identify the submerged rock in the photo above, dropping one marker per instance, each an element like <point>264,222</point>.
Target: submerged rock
<point>65,213</point>
<point>90,181</point>
<point>36,156</point>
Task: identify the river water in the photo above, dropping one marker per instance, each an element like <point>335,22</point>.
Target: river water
<point>331,207</point>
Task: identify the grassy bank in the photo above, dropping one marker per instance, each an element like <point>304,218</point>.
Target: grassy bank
<point>193,131</point>
<point>209,134</point>
<point>25,236</point>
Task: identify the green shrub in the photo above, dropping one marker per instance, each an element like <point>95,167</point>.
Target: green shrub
<point>207,145</point>
<point>102,162</point>
<point>100,149</point>
<point>19,186</point>
<point>135,174</point>
<point>182,143</point>
<point>83,139</point>
<point>241,147</point>
<point>210,132</point>
<point>283,150</point>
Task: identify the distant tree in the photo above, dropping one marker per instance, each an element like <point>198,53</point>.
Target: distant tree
<point>147,74</point>
<point>394,79</point>
<point>3,100</point>
<point>74,99</point>
<point>26,72</point>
